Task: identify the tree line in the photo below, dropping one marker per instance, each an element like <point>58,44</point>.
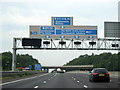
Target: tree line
<point>23,60</point>
<point>104,60</point>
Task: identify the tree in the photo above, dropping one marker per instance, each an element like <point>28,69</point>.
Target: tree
<point>104,60</point>
<point>22,60</point>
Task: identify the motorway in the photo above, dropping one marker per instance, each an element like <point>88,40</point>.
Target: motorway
<point>60,80</point>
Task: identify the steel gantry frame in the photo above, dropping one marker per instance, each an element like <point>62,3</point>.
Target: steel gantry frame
<point>64,44</point>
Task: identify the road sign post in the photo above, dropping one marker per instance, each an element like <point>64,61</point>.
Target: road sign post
<point>14,55</point>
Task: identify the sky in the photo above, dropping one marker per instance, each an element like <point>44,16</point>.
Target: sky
<point>17,15</point>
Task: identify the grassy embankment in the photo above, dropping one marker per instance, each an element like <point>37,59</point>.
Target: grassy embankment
<point>17,75</point>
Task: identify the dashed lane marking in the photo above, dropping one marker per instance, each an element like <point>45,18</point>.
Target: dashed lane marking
<point>85,86</point>
<point>36,86</point>
<point>55,74</point>
<point>44,82</point>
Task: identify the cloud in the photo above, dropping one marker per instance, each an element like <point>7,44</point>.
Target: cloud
<point>22,14</point>
<point>40,13</point>
<point>7,38</point>
<point>23,20</point>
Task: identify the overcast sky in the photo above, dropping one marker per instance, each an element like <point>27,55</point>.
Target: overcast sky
<point>16,16</point>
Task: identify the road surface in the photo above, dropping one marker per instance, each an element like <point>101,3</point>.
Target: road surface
<point>60,80</point>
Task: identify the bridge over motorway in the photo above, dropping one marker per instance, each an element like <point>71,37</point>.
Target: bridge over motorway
<point>75,67</point>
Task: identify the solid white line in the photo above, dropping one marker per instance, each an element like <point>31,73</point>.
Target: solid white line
<point>17,81</point>
<point>85,86</point>
<point>22,79</point>
<point>36,86</point>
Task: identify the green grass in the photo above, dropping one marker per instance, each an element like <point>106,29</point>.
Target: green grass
<point>17,75</point>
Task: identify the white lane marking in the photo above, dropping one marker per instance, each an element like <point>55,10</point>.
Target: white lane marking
<point>44,82</point>
<point>85,86</point>
<point>36,86</point>
<point>74,78</point>
<point>17,81</point>
<point>22,79</point>
<point>55,74</point>
<point>110,80</point>
<point>78,81</point>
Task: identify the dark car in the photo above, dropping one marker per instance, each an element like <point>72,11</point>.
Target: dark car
<point>99,74</point>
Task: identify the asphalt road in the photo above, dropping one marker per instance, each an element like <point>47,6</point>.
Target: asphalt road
<point>60,80</point>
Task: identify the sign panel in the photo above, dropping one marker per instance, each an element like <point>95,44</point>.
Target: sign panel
<point>47,30</point>
<point>62,20</point>
<point>66,32</point>
<point>75,32</point>
<point>38,67</point>
<point>30,67</point>
<point>62,27</point>
<point>31,42</point>
<point>112,29</point>
<point>34,33</point>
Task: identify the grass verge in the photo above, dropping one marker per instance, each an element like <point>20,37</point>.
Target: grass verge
<point>16,75</point>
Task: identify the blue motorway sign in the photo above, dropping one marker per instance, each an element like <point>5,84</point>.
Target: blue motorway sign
<point>62,20</point>
<point>38,67</point>
<point>47,30</point>
<point>63,32</point>
<point>34,33</point>
<point>30,67</point>
<point>75,32</point>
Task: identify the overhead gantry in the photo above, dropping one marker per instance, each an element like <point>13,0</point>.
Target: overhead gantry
<point>63,44</point>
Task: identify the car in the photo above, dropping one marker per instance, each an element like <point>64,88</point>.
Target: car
<point>61,71</point>
<point>99,74</point>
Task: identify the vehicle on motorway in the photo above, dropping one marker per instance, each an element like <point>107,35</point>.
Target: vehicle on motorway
<point>99,74</point>
<point>64,71</point>
<point>53,71</point>
<point>59,70</point>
